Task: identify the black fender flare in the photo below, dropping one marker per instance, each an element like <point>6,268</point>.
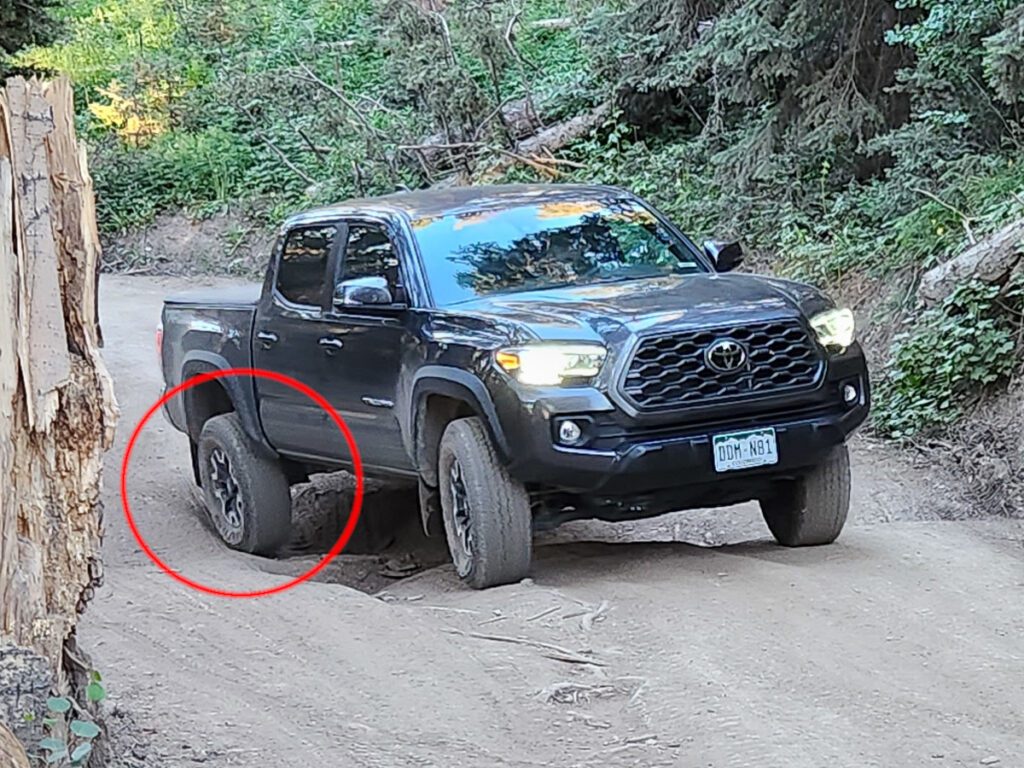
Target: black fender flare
<point>459,385</point>
<point>241,391</point>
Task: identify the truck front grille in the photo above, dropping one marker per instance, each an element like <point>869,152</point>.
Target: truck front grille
<point>672,371</point>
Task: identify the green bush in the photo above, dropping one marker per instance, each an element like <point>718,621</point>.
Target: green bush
<point>954,353</point>
<point>102,37</point>
<point>195,171</point>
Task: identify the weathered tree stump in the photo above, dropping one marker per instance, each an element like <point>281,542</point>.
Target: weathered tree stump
<point>57,407</point>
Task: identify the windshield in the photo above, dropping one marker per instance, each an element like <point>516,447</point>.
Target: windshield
<point>544,245</point>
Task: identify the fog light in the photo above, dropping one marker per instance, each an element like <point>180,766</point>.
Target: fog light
<point>569,432</point>
<point>850,394</point>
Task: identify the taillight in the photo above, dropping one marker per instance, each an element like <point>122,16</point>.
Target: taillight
<point>160,342</point>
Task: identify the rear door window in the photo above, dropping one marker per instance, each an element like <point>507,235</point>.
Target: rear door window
<point>301,275</point>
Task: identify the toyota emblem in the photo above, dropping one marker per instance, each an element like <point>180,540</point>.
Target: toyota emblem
<point>725,356</point>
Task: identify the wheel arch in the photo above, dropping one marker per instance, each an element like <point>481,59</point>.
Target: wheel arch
<point>223,395</point>
<point>441,395</point>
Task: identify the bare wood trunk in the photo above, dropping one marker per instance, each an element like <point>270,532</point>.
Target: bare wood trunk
<point>12,755</point>
<point>562,22</point>
<point>549,140</point>
<point>992,260</point>
<point>57,407</point>
<point>535,150</point>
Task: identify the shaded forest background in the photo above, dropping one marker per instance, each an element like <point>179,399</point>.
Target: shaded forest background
<point>853,143</point>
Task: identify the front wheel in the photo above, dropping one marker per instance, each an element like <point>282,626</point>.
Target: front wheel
<point>812,509</point>
<point>486,512</point>
<point>246,492</point>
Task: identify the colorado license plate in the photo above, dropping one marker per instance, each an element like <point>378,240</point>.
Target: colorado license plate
<point>743,450</point>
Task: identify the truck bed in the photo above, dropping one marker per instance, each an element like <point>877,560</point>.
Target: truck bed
<point>229,296</point>
<point>208,329</point>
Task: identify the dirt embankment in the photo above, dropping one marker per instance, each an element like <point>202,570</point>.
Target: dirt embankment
<point>176,244</point>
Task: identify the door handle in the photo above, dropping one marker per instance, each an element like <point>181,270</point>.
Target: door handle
<point>330,344</point>
<point>267,338</point>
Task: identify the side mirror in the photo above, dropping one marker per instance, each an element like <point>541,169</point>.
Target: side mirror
<point>362,292</point>
<point>726,256</point>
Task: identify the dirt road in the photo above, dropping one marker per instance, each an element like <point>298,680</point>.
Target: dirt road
<point>901,645</point>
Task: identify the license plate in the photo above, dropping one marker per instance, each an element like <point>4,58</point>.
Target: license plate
<point>743,450</point>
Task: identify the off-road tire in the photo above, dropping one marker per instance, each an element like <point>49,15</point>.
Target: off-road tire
<point>266,509</point>
<point>498,509</point>
<point>812,509</point>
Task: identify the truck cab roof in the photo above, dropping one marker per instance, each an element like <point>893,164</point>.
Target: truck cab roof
<point>427,203</point>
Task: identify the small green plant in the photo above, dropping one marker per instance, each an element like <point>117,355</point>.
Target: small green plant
<point>70,738</point>
<point>954,352</point>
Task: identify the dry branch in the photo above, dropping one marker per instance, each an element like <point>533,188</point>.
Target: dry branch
<point>965,220</point>
<point>312,77</point>
<point>284,158</point>
<point>551,651</point>
<point>598,614</point>
<point>563,22</point>
<point>535,163</point>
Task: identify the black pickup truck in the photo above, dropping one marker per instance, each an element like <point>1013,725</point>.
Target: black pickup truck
<point>526,354</point>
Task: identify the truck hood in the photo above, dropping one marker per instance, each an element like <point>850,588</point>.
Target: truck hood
<point>609,311</point>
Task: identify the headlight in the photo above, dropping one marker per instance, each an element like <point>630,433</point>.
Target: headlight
<point>835,328</point>
<point>550,364</point>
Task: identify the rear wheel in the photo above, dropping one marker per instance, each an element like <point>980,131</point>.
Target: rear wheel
<point>246,492</point>
<point>486,512</point>
<point>811,510</point>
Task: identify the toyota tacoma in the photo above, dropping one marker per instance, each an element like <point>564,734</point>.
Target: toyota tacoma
<point>527,355</point>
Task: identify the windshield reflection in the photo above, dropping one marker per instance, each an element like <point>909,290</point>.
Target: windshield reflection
<point>543,245</point>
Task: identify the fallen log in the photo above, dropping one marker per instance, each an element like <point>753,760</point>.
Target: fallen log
<point>545,142</point>
<point>562,22</point>
<point>991,260</point>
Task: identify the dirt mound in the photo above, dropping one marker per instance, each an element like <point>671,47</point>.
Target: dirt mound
<point>988,454</point>
<point>387,546</point>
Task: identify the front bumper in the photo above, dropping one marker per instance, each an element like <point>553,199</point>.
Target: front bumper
<point>625,458</point>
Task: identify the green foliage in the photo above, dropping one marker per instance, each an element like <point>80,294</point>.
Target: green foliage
<point>278,105</point>
<point>426,66</point>
<point>966,52</point>
<point>102,37</point>
<point>1003,61</point>
<point>954,353</point>
<point>58,704</point>
<point>95,691</point>
<point>25,24</point>
<point>70,739</point>
<point>882,227</point>
<point>759,79</point>
<point>179,169</point>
